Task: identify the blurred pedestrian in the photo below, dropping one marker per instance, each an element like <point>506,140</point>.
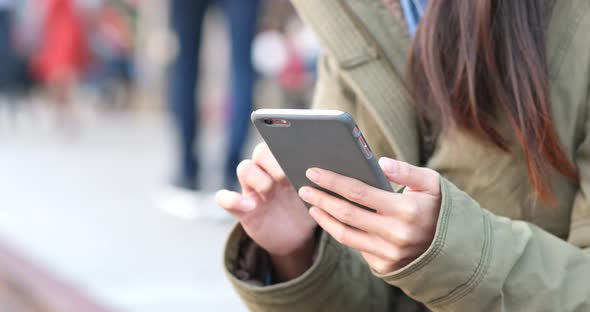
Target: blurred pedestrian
<point>7,52</point>
<point>62,54</point>
<point>112,45</point>
<point>187,22</point>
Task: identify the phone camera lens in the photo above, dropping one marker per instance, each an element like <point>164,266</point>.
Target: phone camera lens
<point>268,121</point>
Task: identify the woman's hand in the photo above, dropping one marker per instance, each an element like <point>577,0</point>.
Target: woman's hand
<point>272,213</point>
<point>403,226</point>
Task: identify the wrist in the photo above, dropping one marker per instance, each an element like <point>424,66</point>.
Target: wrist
<point>294,264</point>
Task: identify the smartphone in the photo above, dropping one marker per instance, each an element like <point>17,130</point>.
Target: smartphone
<point>328,139</point>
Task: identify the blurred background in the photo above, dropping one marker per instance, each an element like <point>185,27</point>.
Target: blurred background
<point>119,119</point>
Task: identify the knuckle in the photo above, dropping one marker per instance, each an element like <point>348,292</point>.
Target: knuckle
<point>383,268</point>
<point>347,213</point>
<point>327,181</point>
<point>342,236</point>
<point>391,235</point>
<point>358,192</point>
<point>380,267</point>
<point>393,254</point>
<point>282,178</point>
<point>404,237</point>
<point>317,198</point>
<point>243,167</point>
<point>412,213</point>
<point>260,151</point>
<point>283,181</point>
<point>405,171</point>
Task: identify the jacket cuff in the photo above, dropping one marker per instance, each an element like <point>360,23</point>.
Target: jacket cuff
<point>458,258</point>
<point>291,291</point>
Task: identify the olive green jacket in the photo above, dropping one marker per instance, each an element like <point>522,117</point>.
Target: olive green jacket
<point>496,248</point>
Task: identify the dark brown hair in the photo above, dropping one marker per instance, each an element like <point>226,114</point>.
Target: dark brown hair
<point>472,60</point>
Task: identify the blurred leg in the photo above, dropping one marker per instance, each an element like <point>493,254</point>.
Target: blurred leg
<point>186,20</point>
<point>5,49</point>
<point>242,16</point>
<point>60,88</point>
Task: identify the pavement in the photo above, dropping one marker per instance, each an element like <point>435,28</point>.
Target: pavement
<point>84,207</point>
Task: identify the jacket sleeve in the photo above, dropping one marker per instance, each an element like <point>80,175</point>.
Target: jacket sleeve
<point>482,262</point>
<point>580,226</point>
<point>339,279</point>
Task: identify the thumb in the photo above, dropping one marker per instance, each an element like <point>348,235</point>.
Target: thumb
<point>235,203</point>
<point>415,178</point>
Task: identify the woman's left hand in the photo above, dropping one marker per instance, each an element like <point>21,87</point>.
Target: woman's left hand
<point>401,229</point>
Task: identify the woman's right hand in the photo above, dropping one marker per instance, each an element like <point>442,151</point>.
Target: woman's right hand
<point>272,214</point>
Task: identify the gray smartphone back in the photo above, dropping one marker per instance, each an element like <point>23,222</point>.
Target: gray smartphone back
<point>331,142</point>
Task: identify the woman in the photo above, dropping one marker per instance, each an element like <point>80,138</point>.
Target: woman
<point>493,150</point>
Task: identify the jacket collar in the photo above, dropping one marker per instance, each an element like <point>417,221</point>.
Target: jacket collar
<point>364,64</point>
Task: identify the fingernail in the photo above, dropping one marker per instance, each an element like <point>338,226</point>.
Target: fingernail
<point>248,204</point>
<point>388,165</point>
<point>313,175</point>
<point>305,193</point>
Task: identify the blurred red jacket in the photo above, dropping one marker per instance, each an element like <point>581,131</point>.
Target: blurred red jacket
<point>63,49</point>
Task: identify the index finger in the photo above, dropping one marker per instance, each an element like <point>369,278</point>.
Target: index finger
<point>264,158</point>
<point>357,191</point>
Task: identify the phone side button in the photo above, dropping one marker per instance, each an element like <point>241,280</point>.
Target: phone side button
<point>368,152</point>
<point>365,147</point>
